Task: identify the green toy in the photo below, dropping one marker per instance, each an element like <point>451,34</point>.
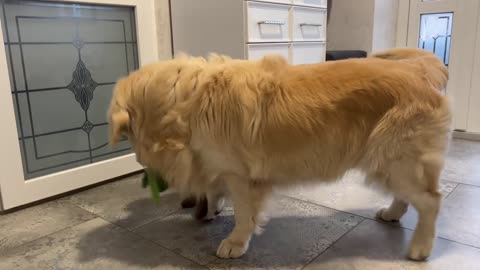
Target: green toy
<point>156,183</point>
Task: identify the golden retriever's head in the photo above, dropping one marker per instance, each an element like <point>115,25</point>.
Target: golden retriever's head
<point>146,107</point>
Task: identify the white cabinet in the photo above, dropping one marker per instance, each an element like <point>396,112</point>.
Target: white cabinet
<point>307,53</point>
<point>295,29</point>
<point>267,22</point>
<point>313,3</point>
<point>277,1</point>
<point>309,24</point>
<point>257,51</point>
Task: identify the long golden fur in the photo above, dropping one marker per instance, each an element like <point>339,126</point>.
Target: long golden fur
<point>220,125</point>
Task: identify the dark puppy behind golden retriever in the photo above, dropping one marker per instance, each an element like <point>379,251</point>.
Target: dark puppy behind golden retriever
<point>223,126</point>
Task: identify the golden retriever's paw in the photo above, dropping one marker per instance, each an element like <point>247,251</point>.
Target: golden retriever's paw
<point>419,252</point>
<point>385,215</point>
<point>231,249</point>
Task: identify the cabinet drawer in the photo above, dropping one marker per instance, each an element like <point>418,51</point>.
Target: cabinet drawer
<point>267,22</point>
<point>277,1</point>
<point>312,3</point>
<point>308,53</point>
<point>309,24</point>
<point>257,51</point>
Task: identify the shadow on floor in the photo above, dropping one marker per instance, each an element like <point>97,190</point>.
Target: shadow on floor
<point>287,242</point>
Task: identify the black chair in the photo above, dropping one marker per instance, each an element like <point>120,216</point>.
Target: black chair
<point>339,55</point>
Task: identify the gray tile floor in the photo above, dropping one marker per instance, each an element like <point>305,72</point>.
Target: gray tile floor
<point>117,226</point>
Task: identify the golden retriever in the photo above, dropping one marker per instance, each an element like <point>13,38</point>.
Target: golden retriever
<point>219,125</point>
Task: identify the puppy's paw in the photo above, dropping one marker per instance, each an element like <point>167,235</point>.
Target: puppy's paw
<point>231,249</point>
<point>385,215</point>
<point>214,210</point>
<point>189,202</point>
<point>210,216</point>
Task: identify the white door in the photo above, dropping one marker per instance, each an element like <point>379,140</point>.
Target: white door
<point>447,27</point>
<point>58,66</point>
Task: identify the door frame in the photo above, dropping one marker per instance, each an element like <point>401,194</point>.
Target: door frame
<point>461,64</point>
<point>15,191</point>
<point>473,124</point>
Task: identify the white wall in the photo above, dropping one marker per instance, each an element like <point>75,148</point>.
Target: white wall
<point>162,16</point>
<point>385,24</point>
<point>351,25</point>
<point>368,25</point>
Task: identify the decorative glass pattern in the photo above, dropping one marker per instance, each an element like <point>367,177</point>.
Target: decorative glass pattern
<point>64,60</point>
<point>436,34</point>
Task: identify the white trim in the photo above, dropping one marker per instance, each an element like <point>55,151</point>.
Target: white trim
<point>15,191</point>
<point>10,158</point>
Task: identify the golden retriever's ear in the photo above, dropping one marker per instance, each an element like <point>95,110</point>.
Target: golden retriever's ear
<point>119,125</point>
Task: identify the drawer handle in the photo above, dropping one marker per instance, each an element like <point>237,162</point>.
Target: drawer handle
<point>310,24</point>
<point>272,22</point>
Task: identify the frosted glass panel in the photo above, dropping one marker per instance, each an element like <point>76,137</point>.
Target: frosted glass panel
<point>63,61</point>
<point>436,34</point>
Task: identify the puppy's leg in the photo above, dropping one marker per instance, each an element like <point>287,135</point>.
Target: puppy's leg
<point>248,202</point>
<point>394,212</point>
<point>201,208</point>
<point>209,206</point>
<point>215,205</point>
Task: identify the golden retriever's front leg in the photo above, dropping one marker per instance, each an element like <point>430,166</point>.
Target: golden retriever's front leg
<point>249,199</point>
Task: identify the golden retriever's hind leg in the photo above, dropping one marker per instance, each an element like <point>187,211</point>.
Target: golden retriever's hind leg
<point>428,206</point>
<point>394,212</point>
<point>427,203</point>
<point>416,181</point>
<point>248,201</point>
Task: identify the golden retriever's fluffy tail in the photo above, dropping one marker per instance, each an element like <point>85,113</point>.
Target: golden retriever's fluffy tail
<point>432,68</point>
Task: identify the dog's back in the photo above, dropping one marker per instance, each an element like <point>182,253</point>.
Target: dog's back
<point>317,121</point>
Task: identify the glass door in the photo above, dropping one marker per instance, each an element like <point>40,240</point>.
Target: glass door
<point>447,28</point>
<point>60,63</point>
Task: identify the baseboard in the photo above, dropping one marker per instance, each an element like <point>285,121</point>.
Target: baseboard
<point>466,135</point>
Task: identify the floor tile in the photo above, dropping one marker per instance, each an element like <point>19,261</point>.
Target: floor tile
<point>95,244</point>
<point>460,216</point>
<point>351,195</point>
<point>463,162</point>
<point>32,223</point>
<point>296,234</point>
<point>125,203</point>
<point>372,245</point>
